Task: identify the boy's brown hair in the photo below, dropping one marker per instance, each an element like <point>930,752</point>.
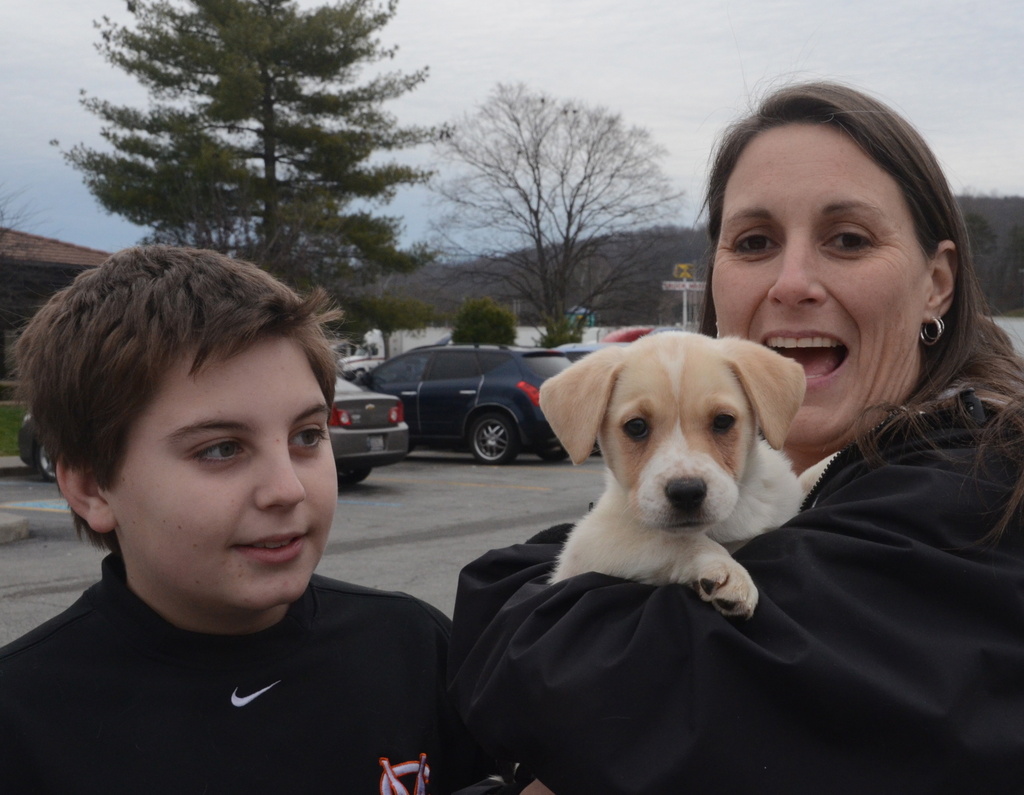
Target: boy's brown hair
<point>94,356</point>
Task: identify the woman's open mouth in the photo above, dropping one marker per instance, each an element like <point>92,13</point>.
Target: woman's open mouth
<point>819,356</point>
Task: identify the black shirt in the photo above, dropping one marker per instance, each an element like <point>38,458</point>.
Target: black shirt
<point>349,688</point>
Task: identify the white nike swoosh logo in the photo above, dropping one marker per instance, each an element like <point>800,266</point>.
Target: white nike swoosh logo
<point>241,701</point>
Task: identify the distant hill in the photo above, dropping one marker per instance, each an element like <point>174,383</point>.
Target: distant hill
<point>996,227</point>
<point>446,285</point>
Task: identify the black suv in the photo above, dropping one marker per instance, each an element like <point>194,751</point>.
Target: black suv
<point>484,397</point>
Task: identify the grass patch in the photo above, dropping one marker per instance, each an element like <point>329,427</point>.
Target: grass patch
<point>10,421</point>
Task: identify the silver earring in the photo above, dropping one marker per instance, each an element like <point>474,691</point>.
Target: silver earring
<point>932,331</point>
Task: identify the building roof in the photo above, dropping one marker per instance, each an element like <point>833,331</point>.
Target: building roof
<point>23,247</point>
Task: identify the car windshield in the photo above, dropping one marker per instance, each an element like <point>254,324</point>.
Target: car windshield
<point>546,363</point>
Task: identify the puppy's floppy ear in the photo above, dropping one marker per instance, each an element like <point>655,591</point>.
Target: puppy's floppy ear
<point>575,400</point>
<point>774,385</point>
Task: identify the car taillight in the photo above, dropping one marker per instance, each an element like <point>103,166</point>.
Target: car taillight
<point>339,418</point>
<point>396,414</point>
<point>531,392</point>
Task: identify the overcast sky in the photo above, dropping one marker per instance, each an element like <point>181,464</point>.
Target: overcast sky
<point>681,68</point>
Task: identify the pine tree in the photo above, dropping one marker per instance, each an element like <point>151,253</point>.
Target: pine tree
<point>260,137</point>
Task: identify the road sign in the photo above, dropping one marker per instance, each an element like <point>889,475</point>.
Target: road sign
<point>689,287</point>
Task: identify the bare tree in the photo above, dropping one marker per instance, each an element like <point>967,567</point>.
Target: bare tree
<point>541,195</point>
<point>19,296</point>
<point>14,213</point>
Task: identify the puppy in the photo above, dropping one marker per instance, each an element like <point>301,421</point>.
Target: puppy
<point>677,417</point>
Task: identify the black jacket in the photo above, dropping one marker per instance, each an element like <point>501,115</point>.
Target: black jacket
<point>886,654</point>
<point>109,698</point>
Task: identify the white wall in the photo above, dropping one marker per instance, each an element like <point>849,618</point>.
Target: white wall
<point>526,336</point>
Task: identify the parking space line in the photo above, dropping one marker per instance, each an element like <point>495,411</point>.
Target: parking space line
<point>467,484</point>
<point>54,506</point>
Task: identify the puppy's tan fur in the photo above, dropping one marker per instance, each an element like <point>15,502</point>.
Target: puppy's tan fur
<point>677,417</point>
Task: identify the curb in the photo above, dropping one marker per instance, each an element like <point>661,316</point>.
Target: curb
<point>12,528</point>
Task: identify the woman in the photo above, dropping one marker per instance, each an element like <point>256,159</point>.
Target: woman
<point>887,651</point>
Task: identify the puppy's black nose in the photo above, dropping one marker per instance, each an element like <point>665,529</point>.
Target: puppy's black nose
<point>686,494</point>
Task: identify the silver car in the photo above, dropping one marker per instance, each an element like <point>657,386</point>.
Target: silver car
<point>32,452</point>
<point>367,430</point>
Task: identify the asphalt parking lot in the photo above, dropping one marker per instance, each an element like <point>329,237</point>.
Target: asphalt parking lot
<point>408,527</point>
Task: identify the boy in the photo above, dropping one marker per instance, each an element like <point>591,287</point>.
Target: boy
<point>185,397</point>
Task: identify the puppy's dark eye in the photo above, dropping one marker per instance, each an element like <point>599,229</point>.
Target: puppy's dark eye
<point>722,423</point>
<point>636,429</point>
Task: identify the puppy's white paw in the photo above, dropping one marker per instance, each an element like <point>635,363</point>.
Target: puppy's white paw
<point>728,587</point>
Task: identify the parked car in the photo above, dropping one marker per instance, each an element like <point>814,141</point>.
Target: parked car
<point>353,360</point>
<point>350,367</point>
<point>577,350</point>
<point>32,452</point>
<point>367,430</point>
<point>482,397</point>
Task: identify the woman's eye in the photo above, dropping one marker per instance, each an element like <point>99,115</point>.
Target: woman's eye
<point>636,429</point>
<point>309,437</point>
<point>220,451</point>
<point>850,241</point>
<point>753,244</point>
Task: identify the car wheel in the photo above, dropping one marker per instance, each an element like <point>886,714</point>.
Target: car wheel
<point>556,453</point>
<point>349,477</point>
<point>44,464</point>
<point>494,439</point>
